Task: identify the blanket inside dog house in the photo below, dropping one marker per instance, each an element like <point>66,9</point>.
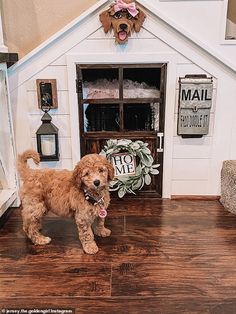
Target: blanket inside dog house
<point>170,45</point>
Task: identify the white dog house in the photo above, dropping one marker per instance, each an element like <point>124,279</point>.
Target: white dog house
<point>177,39</point>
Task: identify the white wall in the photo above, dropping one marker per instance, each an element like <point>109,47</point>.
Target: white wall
<point>27,115</point>
<point>203,21</point>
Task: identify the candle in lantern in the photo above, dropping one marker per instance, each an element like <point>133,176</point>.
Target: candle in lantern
<point>48,145</point>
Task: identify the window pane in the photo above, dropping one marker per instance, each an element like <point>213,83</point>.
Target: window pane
<point>100,83</point>
<point>141,82</point>
<point>141,117</point>
<point>101,117</point>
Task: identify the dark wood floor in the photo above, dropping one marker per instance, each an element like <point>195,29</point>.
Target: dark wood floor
<point>163,257</point>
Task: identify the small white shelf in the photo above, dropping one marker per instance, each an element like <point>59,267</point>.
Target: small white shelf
<point>8,173</point>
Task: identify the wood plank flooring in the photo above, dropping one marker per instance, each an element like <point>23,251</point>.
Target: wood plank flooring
<point>164,256</point>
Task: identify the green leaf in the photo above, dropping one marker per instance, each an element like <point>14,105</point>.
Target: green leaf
<point>142,184</point>
<point>102,153</point>
<point>146,170</point>
<point>140,143</point>
<point>121,192</point>
<point>155,166</point>
<point>131,191</point>
<point>147,160</point>
<point>124,179</point>
<point>154,171</point>
<point>110,151</point>
<point>113,182</point>
<point>135,145</point>
<point>112,143</point>
<point>111,189</point>
<point>123,142</point>
<point>138,170</point>
<point>146,151</point>
<point>136,185</point>
<point>147,179</point>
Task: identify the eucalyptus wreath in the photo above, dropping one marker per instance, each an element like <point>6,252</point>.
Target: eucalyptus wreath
<point>144,168</point>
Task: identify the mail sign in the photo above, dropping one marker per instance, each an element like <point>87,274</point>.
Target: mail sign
<point>124,164</point>
<point>195,101</point>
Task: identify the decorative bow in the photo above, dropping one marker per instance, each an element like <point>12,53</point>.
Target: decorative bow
<point>130,7</point>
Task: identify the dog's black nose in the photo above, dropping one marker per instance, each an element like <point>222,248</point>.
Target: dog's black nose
<point>96,182</point>
<point>123,27</point>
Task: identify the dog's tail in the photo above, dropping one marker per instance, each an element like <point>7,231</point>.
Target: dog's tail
<point>22,166</point>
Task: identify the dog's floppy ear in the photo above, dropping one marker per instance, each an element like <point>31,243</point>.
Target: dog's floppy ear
<point>138,22</point>
<point>105,19</point>
<point>111,171</point>
<point>76,176</point>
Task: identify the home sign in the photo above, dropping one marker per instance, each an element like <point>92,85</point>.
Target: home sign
<point>124,164</point>
<point>195,101</point>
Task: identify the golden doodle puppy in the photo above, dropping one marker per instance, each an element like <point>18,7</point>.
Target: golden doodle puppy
<point>122,17</point>
<point>81,194</point>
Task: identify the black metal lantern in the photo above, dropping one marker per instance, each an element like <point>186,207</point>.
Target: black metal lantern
<point>47,139</point>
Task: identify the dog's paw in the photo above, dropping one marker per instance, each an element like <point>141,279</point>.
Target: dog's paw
<point>42,240</point>
<point>90,248</point>
<point>104,232</point>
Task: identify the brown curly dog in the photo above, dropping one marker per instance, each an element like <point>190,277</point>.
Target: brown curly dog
<point>123,16</point>
<point>81,194</point>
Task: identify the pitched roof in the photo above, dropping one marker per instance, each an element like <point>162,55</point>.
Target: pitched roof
<point>87,29</point>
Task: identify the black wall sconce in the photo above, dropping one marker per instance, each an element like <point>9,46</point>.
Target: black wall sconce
<point>47,134</point>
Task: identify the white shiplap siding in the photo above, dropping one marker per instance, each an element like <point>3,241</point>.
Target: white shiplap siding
<point>191,166</point>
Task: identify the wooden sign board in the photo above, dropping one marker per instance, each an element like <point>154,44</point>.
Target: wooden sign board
<point>124,164</point>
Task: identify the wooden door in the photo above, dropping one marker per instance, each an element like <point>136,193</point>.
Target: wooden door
<point>123,101</point>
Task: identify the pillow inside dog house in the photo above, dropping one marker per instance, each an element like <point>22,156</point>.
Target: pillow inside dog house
<point>104,88</point>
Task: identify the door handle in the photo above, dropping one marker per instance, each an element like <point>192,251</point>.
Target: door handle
<point>160,136</point>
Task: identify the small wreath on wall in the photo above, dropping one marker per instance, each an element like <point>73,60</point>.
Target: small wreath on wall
<point>139,151</point>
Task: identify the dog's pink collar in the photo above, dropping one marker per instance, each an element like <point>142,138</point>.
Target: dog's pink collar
<point>130,7</point>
